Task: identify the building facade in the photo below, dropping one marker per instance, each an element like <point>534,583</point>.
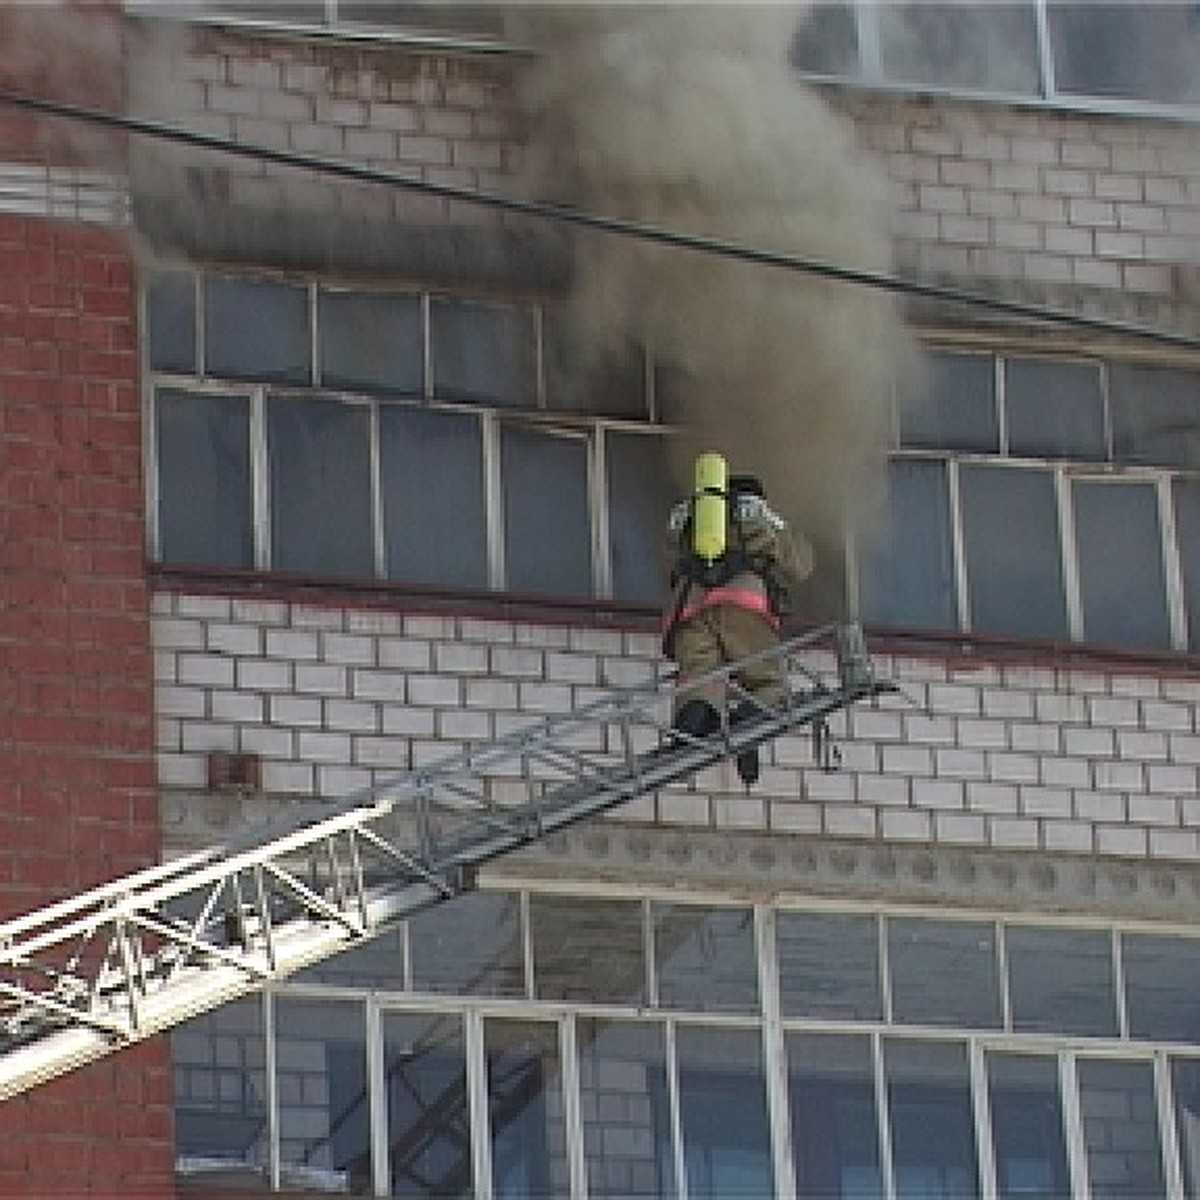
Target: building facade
<point>299,478</point>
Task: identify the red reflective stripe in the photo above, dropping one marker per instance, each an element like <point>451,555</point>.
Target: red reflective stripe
<point>747,598</point>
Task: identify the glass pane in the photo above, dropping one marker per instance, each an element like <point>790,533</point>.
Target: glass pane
<point>1061,981</point>
<point>464,18</point>
<point>957,410</point>
<point>907,568</point>
<point>324,1126</point>
<point>221,1090</point>
<point>320,474</point>
<point>525,1110</point>
<point>171,319</point>
<point>723,1114</point>
<point>1013,551</point>
<point>626,1115</point>
<point>1055,409</point>
<point>204,503</point>
<point>1185,1084</point>
<point>1121,581</point>
<point>988,47</point>
<point>826,43</point>
<point>433,503</point>
<point>829,966</point>
<point>1162,987</point>
<point>1027,1127</point>
<point>377,963</point>
<point>1120,1130</point>
<point>1187,536</point>
<point>835,1135</point>
<point>1155,416</point>
<point>705,958</point>
<point>482,352</point>
<point>547,525</point>
<point>256,329</point>
<point>370,342</point>
<point>1136,50</point>
<point>932,1122</point>
<point>429,1117</point>
<point>638,497</point>
<point>924,955</point>
<point>470,946</point>
<point>588,950</point>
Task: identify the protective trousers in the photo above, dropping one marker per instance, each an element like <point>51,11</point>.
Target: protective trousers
<point>721,634</point>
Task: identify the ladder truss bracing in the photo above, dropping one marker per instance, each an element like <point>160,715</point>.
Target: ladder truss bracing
<point>85,976</point>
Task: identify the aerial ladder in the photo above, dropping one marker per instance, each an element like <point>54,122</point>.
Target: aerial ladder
<point>90,974</point>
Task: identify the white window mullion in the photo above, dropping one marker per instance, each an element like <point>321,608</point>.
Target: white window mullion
<point>493,499</point>
<point>677,1153</point>
<point>984,1149</point>
<point>1118,958</point>
<point>1068,1079</point>
<point>1168,1130</point>
<point>958,541</point>
<point>260,484</point>
<point>774,1054</point>
<point>867,26</point>
<point>377,1107</point>
<point>1065,499</point>
<point>602,579</point>
<point>477,1101</point>
<point>1172,564</point>
<point>379,533</point>
<point>572,1107</point>
<point>884,1119</point>
<point>1049,85</point>
<point>271,1067</point>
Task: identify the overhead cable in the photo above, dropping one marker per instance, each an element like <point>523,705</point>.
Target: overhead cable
<point>580,218</point>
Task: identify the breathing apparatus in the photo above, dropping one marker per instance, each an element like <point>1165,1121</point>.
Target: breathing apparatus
<point>710,507</point>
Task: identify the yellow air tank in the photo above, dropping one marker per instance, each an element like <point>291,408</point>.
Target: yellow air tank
<point>711,483</point>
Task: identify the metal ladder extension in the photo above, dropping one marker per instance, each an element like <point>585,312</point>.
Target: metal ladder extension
<point>90,974</point>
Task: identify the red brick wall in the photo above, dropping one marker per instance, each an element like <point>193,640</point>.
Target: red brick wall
<point>77,773</point>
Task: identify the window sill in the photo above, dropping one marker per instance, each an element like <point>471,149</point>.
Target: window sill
<point>412,599</point>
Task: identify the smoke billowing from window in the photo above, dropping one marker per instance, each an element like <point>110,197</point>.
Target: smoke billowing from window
<point>688,117</point>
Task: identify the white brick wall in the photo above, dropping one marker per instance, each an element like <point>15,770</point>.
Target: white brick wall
<point>1004,757</point>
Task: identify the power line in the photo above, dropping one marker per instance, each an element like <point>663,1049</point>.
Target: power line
<point>579,218</point>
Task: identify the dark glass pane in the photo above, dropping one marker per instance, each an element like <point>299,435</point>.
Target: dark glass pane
<point>171,317</point>
<point>1185,1084</point>
<point>377,963</point>
<point>1162,987</point>
<point>221,1089</point>
<point>429,1117</point>
<point>625,1108</point>
<point>1155,416</point>
<point>723,1114</point>
<point>256,329</point>
<point>324,1122</point>
<point>588,950</point>
<point>1121,580</point>
<point>1027,1127</point>
<point>1013,551</point>
<point>370,342</point>
<point>1055,410</point>
<point>547,526</point>
<point>1136,50</point>
<point>1119,1116</point>
<point>1061,981</point>
<point>989,47</point>
<point>470,946</point>
<point>826,43</point>
<point>205,512</point>
<point>320,473</point>
<point>829,966</point>
<point>705,957</point>
<point>924,955</point>
<point>483,352</point>
<point>1187,538</point>
<point>433,502</point>
<point>907,568</point>
<point>638,498</point>
<point>932,1121</point>
<point>525,1110</point>
<point>835,1135</point>
<point>957,410</point>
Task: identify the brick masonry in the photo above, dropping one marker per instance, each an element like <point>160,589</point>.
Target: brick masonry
<point>76,719</point>
<point>990,756</point>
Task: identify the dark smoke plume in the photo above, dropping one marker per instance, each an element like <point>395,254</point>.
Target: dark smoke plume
<point>689,117</point>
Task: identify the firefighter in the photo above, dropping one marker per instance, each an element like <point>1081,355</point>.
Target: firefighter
<point>734,569</point>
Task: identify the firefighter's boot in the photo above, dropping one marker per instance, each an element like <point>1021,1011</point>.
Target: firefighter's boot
<point>697,718</point>
<point>747,760</point>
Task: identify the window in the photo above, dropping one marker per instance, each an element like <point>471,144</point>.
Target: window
<point>389,435</point>
<point>1042,497</point>
<point>1105,55</point>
